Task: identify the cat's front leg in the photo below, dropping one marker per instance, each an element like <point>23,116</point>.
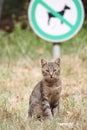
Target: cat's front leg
<point>55,111</point>
<point>46,108</point>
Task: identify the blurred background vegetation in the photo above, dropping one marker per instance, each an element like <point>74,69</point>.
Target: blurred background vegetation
<point>17,38</point>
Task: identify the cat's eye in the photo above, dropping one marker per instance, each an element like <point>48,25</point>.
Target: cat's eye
<point>54,70</point>
<point>47,70</point>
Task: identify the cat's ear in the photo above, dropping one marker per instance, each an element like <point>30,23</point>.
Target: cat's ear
<point>43,62</point>
<point>57,61</point>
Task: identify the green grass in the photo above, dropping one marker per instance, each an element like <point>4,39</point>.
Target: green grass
<point>24,43</point>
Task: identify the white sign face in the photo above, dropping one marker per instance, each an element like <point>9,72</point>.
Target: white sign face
<point>51,24</point>
<point>56,20</point>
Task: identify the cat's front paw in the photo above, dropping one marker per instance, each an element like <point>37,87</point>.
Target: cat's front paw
<point>49,115</point>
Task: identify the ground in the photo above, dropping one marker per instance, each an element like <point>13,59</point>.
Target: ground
<point>17,80</point>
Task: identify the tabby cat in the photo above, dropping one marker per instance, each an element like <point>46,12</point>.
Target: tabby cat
<point>44,100</point>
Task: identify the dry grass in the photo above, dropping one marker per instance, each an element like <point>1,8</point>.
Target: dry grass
<point>17,81</point>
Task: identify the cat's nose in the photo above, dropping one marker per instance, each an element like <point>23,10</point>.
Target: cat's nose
<point>51,75</point>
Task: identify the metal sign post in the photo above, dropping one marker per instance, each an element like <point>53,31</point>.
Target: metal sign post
<point>56,50</point>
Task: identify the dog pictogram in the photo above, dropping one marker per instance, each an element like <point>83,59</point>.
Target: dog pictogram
<point>62,12</point>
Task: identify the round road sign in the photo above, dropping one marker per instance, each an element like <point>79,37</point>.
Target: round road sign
<point>56,20</point>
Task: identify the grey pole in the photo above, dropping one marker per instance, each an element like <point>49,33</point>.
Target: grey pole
<point>56,50</point>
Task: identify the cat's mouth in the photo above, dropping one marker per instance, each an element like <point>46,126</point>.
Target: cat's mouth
<point>51,79</point>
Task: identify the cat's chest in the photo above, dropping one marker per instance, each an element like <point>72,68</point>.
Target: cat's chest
<point>52,93</point>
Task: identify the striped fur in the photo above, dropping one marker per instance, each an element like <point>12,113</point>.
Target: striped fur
<point>44,99</point>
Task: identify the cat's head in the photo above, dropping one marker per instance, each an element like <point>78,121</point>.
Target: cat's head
<point>51,70</point>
